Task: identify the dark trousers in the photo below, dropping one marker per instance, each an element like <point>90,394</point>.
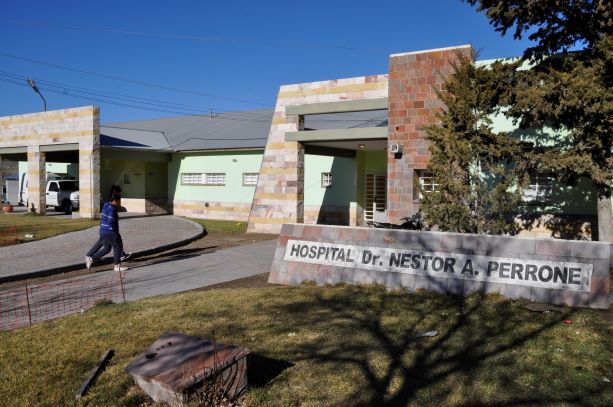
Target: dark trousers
<point>110,240</point>
<point>98,245</point>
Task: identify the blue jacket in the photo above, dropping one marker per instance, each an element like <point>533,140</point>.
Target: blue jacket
<point>109,218</point>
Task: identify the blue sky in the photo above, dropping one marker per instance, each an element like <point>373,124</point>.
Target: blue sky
<point>239,51</point>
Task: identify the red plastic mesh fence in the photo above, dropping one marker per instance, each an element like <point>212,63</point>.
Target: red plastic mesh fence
<point>31,304</point>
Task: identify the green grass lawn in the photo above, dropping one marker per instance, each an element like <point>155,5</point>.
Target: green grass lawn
<point>221,226</point>
<point>13,228</point>
<point>349,346</point>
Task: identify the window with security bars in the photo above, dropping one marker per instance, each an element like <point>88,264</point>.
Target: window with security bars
<point>191,179</point>
<point>326,179</point>
<point>375,197</point>
<point>216,178</point>
<point>426,183</point>
<point>250,178</point>
<point>540,188</point>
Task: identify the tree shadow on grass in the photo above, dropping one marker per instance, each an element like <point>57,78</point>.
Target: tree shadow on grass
<point>476,343</point>
<point>262,370</point>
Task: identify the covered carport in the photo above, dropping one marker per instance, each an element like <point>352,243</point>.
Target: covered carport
<point>67,136</point>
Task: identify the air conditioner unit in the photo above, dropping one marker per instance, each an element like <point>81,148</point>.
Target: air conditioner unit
<point>395,148</point>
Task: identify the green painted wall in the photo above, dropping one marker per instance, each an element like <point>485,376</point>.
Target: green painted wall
<point>112,172</point>
<point>147,173</point>
<point>233,164</point>
<point>369,162</point>
<point>579,199</point>
<point>57,168</point>
<point>343,189</point>
<point>156,179</point>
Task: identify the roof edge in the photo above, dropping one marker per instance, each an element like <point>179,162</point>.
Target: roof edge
<point>423,51</point>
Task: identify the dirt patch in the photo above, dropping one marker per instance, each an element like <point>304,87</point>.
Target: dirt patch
<point>257,281</point>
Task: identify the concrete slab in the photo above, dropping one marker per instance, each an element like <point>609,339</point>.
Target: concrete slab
<point>176,364</point>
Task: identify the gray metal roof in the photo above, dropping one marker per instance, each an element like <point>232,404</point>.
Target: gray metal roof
<point>232,130</point>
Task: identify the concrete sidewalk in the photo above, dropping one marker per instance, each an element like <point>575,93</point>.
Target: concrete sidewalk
<point>168,276</point>
<point>141,235</point>
<point>190,272</point>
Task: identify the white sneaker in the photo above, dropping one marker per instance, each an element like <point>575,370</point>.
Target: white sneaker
<point>119,268</point>
<point>88,262</point>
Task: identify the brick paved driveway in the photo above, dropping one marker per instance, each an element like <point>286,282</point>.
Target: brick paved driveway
<point>138,233</point>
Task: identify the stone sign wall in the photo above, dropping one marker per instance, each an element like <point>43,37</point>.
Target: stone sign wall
<point>566,272</point>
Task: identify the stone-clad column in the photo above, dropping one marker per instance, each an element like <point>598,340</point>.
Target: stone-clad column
<point>279,196</point>
<point>414,80</point>
<point>89,171</point>
<point>89,182</point>
<point>37,180</point>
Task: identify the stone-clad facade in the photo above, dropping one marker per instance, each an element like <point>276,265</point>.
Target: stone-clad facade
<point>344,131</point>
<point>414,80</point>
<point>411,88</point>
<point>279,197</point>
<point>57,130</point>
<point>212,210</point>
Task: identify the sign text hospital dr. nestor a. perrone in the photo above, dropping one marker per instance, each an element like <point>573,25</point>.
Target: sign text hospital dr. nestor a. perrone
<point>503,270</point>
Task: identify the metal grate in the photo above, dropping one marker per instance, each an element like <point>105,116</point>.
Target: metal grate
<point>375,195</point>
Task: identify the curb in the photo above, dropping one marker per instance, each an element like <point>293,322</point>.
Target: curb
<point>77,266</point>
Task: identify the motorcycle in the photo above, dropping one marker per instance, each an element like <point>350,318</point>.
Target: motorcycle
<point>413,222</point>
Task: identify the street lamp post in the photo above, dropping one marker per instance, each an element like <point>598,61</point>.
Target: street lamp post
<point>35,88</point>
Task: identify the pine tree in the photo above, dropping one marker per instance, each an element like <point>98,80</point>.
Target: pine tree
<point>570,91</point>
<point>476,169</point>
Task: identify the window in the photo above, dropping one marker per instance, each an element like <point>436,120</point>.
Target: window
<point>191,179</point>
<point>326,179</point>
<point>211,178</point>
<point>425,182</point>
<point>218,178</point>
<point>69,186</point>
<point>540,188</point>
<point>250,178</point>
<point>53,187</point>
<point>126,179</point>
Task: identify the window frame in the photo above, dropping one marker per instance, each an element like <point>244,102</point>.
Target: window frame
<point>257,177</point>
<point>204,178</point>
<point>212,175</point>
<point>543,190</point>
<point>326,183</point>
<point>186,174</point>
<point>420,176</point>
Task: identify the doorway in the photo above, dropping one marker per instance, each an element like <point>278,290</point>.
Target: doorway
<point>375,197</point>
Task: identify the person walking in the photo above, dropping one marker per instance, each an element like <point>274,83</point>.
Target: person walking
<point>109,234</point>
<point>115,189</point>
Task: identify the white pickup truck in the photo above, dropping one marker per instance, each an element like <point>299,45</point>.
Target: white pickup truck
<point>61,194</point>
